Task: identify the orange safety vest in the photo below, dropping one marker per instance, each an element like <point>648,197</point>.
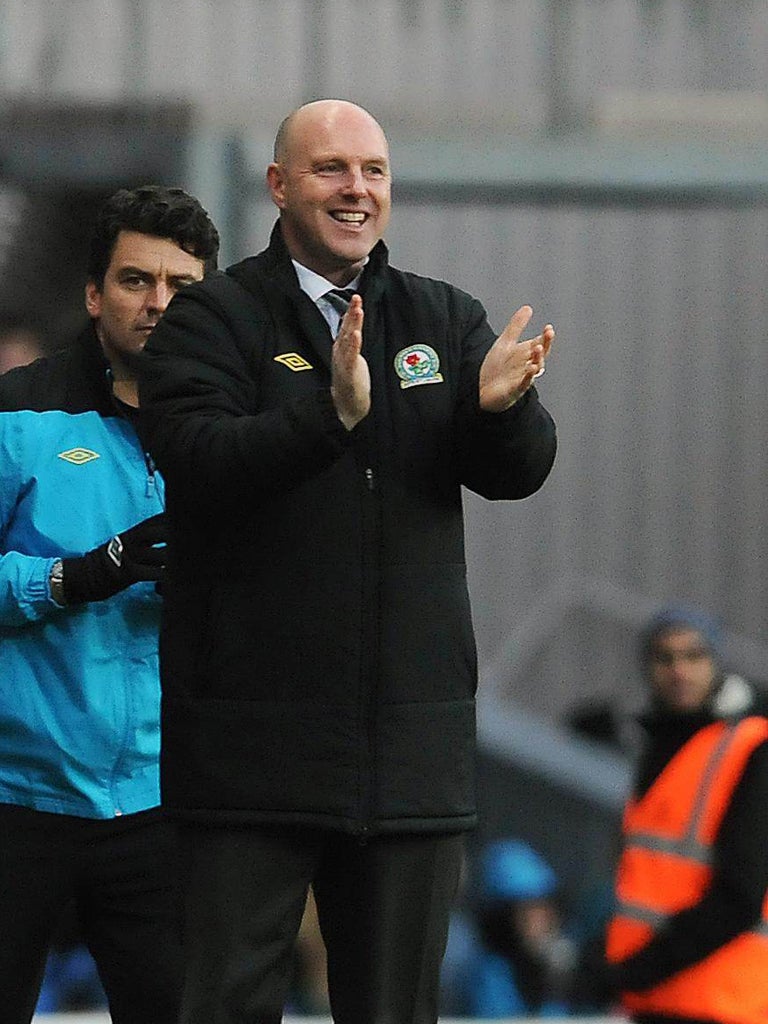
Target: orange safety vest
<point>666,867</point>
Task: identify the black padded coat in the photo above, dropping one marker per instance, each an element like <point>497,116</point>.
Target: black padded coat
<point>317,656</point>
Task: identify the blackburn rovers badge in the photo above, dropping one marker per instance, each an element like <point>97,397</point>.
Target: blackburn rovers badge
<point>418,364</point>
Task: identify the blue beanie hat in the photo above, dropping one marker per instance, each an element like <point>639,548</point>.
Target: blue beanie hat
<point>512,870</point>
<point>677,616</point>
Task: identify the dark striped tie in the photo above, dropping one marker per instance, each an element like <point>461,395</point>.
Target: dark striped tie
<point>340,299</point>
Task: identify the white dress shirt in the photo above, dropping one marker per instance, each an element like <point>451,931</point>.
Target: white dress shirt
<point>316,286</point>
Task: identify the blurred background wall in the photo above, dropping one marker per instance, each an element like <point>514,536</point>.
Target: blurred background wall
<point>605,161</point>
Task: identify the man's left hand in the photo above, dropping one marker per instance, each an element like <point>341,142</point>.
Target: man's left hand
<point>511,365</point>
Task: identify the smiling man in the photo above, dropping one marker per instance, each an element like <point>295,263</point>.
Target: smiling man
<point>319,671</point>
<point>331,182</point>
<point>81,551</point>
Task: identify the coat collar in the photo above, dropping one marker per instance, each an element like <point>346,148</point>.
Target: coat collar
<point>277,263</point>
<point>272,277</point>
<point>89,383</point>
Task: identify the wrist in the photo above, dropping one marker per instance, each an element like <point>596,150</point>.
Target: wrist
<point>56,583</point>
<point>93,576</point>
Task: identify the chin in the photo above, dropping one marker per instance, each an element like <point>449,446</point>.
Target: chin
<point>349,259</point>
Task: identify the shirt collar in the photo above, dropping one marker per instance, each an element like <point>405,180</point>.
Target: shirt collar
<point>316,286</point>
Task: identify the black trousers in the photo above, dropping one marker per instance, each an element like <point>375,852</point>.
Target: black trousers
<point>121,874</point>
<point>383,908</point>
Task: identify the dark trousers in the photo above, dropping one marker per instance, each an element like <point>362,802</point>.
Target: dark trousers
<point>383,908</point>
<point>121,874</point>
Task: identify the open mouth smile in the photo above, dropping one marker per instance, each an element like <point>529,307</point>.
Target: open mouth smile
<point>349,217</point>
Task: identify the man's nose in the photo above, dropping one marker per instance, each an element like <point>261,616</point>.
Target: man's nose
<point>159,296</point>
<point>354,182</point>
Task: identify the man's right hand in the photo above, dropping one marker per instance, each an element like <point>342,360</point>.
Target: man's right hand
<point>350,377</point>
<point>137,554</point>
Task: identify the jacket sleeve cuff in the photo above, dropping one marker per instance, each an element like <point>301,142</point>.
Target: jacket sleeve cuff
<point>332,425</point>
<point>501,421</point>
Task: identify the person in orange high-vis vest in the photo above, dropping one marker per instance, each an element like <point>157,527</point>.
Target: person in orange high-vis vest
<point>688,940</point>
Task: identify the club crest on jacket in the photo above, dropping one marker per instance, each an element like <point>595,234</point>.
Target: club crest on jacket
<point>418,364</point>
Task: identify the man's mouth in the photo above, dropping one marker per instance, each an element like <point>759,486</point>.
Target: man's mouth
<point>349,217</point>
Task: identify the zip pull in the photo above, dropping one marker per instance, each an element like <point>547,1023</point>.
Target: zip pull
<point>370,482</point>
<point>150,464</point>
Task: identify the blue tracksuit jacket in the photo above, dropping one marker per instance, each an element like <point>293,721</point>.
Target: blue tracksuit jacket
<point>79,687</point>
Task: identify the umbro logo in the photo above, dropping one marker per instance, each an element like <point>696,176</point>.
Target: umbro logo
<point>293,361</point>
<point>79,456</point>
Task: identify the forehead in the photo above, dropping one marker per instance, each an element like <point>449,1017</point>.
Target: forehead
<point>154,255</point>
<point>679,639</point>
<point>348,133</point>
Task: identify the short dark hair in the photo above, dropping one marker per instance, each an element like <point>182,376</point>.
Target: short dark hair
<point>152,210</point>
<point>280,138</point>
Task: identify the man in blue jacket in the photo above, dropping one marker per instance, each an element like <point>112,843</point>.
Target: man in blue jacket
<point>318,667</point>
<point>81,554</point>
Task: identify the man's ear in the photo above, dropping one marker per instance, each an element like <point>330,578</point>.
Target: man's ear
<point>276,183</point>
<point>92,299</point>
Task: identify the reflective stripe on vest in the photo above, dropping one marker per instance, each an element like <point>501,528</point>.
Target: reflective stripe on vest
<point>665,871</point>
<point>654,919</point>
<point>689,847</point>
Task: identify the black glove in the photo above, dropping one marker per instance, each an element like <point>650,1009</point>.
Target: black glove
<point>125,559</point>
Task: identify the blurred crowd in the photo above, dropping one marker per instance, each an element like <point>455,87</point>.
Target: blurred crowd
<point>20,343</point>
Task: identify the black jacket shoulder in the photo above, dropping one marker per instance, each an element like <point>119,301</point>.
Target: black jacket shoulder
<point>73,380</point>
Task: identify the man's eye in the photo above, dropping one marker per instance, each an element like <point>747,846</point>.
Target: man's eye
<point>180,282</point>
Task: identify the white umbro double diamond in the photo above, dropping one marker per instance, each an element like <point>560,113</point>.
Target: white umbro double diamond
<point>79,456</point>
